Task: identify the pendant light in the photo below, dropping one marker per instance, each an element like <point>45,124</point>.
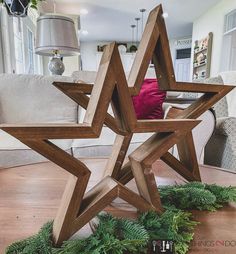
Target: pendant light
<point>137,30</point>
<point>142,12</point>
<point>133,27</point>
<point>133,48</point>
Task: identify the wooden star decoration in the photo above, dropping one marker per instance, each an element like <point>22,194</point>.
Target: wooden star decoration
<point>77,207</point>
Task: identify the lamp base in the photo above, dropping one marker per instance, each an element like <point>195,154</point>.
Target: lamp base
<point>56,66</point>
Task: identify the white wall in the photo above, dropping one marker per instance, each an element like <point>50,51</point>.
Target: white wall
<point>213,21</point>
<point>71,64</point>
<point>88,52</point>
<point>172,43</point>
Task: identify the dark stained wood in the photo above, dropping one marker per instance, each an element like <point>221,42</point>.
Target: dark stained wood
<point>74,88</point>
<point>162,57</point>
<point>117,157</point>
<point>164,125</point>
<point>186,152</point>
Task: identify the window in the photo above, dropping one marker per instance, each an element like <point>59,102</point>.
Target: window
<point>183,53</point>
<point>230,22</point>
<point>18,39</point>
<point>228,59</point>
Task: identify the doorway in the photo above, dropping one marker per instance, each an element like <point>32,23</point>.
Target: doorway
<point>182,64</point>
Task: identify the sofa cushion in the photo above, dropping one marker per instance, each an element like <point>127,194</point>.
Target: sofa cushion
<point>221,107</point>
<point>107,138</point>
<point>84,76</point>
<point>19,157</point>
<point>148,104</point>
<point>8,142</point>
<point>33,99</point>
<point>226,126</point>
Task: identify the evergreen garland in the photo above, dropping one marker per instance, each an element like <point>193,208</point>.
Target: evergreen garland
<point>40,243</point>
<point>112,235</point>
<point>119,236</point>
<point>196,195</point>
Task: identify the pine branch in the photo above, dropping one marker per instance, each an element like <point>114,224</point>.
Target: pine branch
<point>197,196</point>
<point>119,236</point>
<point>40,243</point>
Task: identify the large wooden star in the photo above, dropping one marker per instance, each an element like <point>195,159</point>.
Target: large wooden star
<point>77,207</point>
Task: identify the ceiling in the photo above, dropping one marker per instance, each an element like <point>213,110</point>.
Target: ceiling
<point>110,20</point>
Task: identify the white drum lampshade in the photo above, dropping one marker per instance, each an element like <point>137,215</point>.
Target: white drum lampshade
<point>56,36</point>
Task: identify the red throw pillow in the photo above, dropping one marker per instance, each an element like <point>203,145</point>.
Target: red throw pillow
<point>148,104</point>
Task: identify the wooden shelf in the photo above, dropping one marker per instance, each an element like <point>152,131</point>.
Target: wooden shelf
<point>199,51</point>
<point>204,72</point>
<point>200,65</point>
<point>199,79</point>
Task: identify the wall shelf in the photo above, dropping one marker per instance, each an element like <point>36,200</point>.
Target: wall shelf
<point>199,65</point>
<point>202,58</point>
<point>199,51</point>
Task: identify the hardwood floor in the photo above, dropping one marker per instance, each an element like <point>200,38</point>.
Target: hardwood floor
<point>30,196</point>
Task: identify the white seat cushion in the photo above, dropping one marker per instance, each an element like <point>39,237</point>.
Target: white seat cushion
<point>107,138</point>
<point>33,99</point>
<point>8,142</point>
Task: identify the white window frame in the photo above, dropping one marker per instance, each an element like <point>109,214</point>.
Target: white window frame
<point>226,22</point>
<point>228,43</point>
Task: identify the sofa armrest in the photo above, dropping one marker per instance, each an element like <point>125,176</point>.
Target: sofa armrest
<point>226,126</point>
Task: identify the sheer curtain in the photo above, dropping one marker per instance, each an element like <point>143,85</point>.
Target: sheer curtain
<point>17,44</point>
<point>5,54</point>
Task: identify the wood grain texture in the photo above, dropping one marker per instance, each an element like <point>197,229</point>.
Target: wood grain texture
<point>111,87</point>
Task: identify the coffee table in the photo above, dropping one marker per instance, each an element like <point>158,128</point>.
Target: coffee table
<point>30,196</point>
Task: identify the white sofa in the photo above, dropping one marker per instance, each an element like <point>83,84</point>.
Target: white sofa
<point>33,99</point>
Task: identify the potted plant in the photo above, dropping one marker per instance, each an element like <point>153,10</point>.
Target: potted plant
<point>19,8</point>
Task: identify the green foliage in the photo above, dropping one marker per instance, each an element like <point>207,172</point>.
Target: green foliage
<point>33,3</point>
<point>40,243</point>
<point>173,225</point>
<point>196,195</point>
<point>223,194</point>
<point>119,236</point>
<point>112,236</point>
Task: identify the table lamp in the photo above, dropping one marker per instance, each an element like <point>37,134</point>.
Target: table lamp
<point>56,36</point>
